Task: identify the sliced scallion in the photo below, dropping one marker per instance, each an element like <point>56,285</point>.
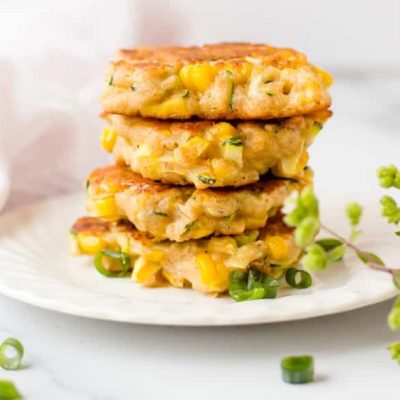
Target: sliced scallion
<point>11,353</point>
<point>207,180</point>
<point>185,93</point>
<point>8,391</point>
<point>112,263</point>
<point>298,278</point>
<point>110,82</point>
<point>252,285</point>
<point>297,369</point>
<point>233,141</point>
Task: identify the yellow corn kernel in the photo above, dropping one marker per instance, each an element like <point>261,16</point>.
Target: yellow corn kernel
<point>174,106</point>
<point>325,76</point>
<point>302,162</point>
<point>144,270</point>
<point>214,275</point>
<point>108,139</point>
<point>223,168</point>
<point>288,166</point>
<point>198,76</point>
<point>244,72</point>
<point>222,131</point>
<point>154,255</point>
<point>106,207</point>
<point>194,148</point>
<point>278,248</point>
<point>89,244</point>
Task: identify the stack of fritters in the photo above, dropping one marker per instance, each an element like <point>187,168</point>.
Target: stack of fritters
<point>208,142</point>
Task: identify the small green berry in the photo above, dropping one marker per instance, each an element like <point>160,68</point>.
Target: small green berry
<point>385,182</point>
<point>354,212</point>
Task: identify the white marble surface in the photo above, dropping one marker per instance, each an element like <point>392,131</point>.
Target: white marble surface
<point>75,358</point>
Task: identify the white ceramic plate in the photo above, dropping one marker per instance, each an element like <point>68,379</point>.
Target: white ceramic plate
<point>35,267</point>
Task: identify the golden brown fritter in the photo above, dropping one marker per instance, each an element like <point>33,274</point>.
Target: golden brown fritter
<point>212,154</point>
<point>220,81</point>
<point>203,264</point>
<point>181,213</point>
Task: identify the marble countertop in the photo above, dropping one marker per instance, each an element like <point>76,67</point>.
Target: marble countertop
<point>81,359</point>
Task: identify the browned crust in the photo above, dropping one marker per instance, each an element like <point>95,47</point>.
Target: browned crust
<point>122,178</point>
<point>196,125</point>
<point>220,54</point>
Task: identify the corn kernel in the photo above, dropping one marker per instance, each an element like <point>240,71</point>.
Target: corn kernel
<point>106,207</point>
<point>170,107</point>
<point>222,245</point>
<point>198,76</point>
<point>214,275</point>
<point>144,270</point>
<point>89,244</point>
<point>302,162</point>
<point>194,148</point>
<point>154,255</point>
<point>108,139</point>
<point>223,168</point>
<point>278,248</point>
<point>222,131</point>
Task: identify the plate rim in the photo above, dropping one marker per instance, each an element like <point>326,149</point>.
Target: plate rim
<point>43,302</point>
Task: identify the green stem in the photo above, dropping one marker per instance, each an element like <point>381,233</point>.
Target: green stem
<point>358,250</point>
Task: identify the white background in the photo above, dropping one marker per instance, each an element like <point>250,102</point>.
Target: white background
<point>52,56</point>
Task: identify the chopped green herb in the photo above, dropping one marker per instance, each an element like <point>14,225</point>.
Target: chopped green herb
<point>87,185</point>
<point>246,238</point>
<point>252,285</point>
<point>110,82</point>
<point>206,180</point>
<point>8,391</point>
<point>233,141</point>
<point>297,369</point>
<point>185,93</point>
<point>160,213</point>
<point>269,93</point>
<point>189,226</point>
<point>268,81</point>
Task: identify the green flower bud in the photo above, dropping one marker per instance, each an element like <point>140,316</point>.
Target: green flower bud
<point>315,258</point>
<point>389,171</point>
<point>306,231</point>
<point>309,201</point>
<point>396,182</point>
<point>386,182</point>
<point>354,212</point>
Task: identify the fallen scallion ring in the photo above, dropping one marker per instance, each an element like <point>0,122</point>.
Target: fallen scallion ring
<point>298,369</point>
<point>11,353</point>
<point>292,276</point>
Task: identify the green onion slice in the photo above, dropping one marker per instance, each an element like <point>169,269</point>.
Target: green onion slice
<point>252,285</point>
<point>206,179</point>
<point>298,369</point>
<point>298,278</point>
<point>233,141</point>
<point>112,263</point>
<point>8,391</point>
<point>11,353</point>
